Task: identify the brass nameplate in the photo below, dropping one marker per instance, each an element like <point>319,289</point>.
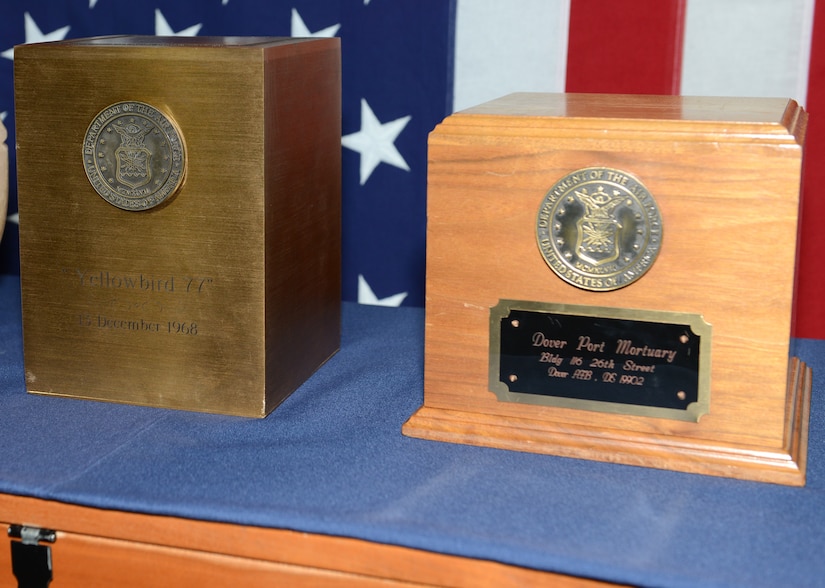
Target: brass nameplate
<point>625,361</point>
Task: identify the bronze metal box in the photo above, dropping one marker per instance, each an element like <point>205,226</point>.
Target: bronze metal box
<point>180,218</point>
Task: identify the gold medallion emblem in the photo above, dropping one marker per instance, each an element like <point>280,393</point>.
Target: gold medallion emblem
<point>134,155</point>
<point>599,229</point>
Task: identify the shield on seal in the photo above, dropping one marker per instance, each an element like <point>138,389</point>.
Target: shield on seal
<point>597,241</point>
<point>133,167</point>
<point>133,158</point>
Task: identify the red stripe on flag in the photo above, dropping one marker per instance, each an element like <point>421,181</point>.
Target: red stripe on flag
<point>625,46</point>
<point>810,293</point>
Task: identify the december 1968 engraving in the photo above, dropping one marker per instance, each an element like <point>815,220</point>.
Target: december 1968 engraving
<point>134,155</point>
<point>599,229</point>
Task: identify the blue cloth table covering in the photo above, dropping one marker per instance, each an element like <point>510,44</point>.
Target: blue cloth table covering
<point>332,460</point>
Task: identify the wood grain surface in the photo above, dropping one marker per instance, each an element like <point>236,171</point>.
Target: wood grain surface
<point>102,548</point>
<point>725,174</point>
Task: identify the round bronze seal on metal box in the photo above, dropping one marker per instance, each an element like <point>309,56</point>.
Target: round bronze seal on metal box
<point>134,155</point>
<point>599,229</point>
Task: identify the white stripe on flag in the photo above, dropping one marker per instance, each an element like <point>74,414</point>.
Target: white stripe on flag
<point>513,46</point>
<point>747,48</point>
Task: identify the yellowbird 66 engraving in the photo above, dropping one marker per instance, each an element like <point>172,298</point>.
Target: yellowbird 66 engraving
<point>599,229</point>
<point>134,155</point>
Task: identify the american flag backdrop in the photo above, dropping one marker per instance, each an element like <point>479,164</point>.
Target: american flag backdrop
<point>409,63</point>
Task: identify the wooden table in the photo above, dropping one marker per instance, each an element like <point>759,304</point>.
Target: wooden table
<point>105,548</point>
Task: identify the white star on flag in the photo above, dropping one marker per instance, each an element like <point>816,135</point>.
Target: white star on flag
<point>299,29</point>
<point>162,28</point>
<point>3,115</point>
<point>92,4</point>
<point>376,141</point>
<point>35,35</point>
<point>367,296</point>
<point>14,218</point>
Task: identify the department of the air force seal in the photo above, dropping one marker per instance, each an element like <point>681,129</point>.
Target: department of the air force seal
<point>134,155</point>
<point>599,229</point>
